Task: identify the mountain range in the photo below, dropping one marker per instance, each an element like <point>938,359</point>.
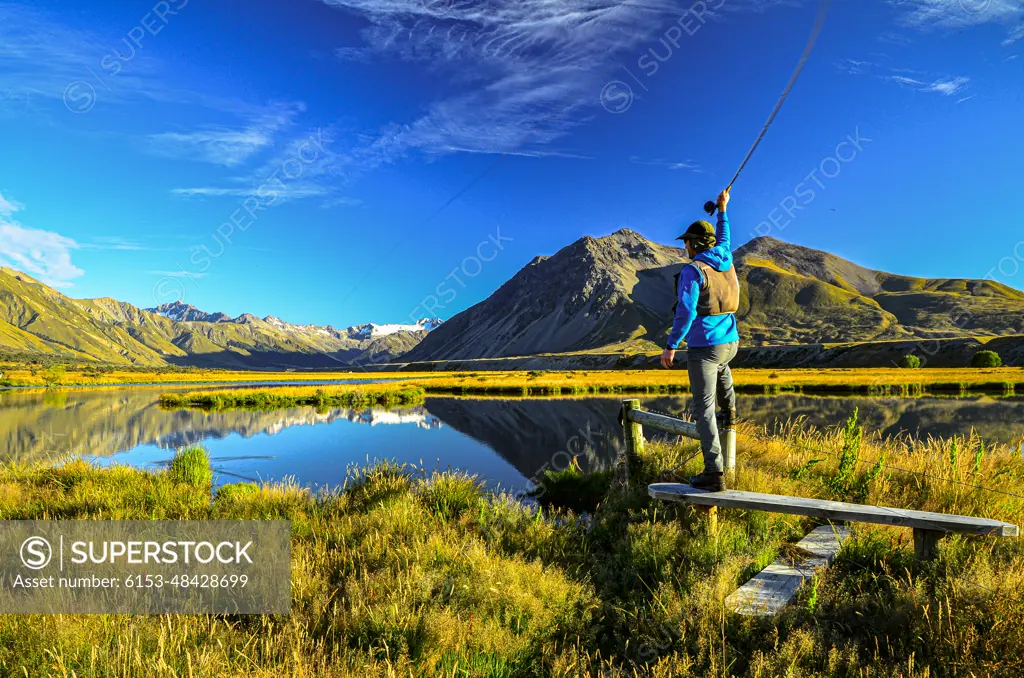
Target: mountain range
<point>183,312</point>
<point>597,295</point>
<point>36,319</point>
<point>616,294</point>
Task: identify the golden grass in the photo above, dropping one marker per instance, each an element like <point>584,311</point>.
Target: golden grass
<point>341,395</point>
<point>838,380</point>
<point>523,384</point>
<point>21,375</point>
<point>765,380</point>
<point>403,574</point>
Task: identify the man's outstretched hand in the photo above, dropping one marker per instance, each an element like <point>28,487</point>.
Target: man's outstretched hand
<point>667,356</point>
<point>723,199</point>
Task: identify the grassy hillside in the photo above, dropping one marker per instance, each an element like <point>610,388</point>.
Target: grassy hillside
<point>780,306</point>
<point>794,294</point>
<point>35,319</point>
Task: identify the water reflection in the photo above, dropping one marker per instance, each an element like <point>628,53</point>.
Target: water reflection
<point>504,441</point>
<point>994,419</point>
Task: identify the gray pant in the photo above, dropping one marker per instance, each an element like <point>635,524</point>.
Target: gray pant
<point>710,376</point>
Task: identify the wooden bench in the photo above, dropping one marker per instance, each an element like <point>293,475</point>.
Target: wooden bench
<point>776,585</point>
<point>928,527</point>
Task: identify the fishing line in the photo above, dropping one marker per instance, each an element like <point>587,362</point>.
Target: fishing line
<point>819,24</point>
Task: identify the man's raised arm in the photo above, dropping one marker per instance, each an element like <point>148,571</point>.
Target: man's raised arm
<point>723,234</point>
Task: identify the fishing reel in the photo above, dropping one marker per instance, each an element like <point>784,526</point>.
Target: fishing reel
<point>710,206</point>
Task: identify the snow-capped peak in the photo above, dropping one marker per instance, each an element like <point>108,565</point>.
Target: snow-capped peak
<point>372,330</point>
<point>182,312</point>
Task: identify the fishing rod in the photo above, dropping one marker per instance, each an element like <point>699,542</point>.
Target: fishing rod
<point>823,7</point>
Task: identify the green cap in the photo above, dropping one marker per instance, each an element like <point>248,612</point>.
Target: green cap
<point>699,230</point>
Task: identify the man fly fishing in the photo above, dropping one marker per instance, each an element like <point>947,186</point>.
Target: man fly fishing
<point>708,296</point>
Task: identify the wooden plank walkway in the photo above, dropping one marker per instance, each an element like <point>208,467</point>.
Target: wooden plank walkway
<point>776,585</point>
<point>834,510</point>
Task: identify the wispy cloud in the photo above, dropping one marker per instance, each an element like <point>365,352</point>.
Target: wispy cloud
<point>229,146</point>
<point>959,13</point>
<point>42,58</point>
<point>9,207</point>
<point>946,85</point>
<point>1016,34</point>
<point>855,67</point>
<point>177,274</point>
<point>356,54</point>
<point>529,69</point>
<point>903,80</point>
<point>668,164</point>
<point>340,202</point>
<point>282,193</point>
<point>44,255</point>
<point>113,243</point>
<point>212,192</point>
<point>220,146</point>
<point>303,166</point>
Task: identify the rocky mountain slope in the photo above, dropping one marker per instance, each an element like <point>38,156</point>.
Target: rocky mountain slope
<point>35,319</point>
<point>593,293</point>
<point>615,293</point>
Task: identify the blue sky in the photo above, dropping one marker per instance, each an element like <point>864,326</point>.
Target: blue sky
<point>382,159</point>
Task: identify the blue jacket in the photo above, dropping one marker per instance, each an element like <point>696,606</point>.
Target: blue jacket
<point>710,330</point>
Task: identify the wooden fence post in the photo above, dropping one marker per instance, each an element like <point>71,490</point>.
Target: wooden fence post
<point>926,543</point>
<point>633,436</point>
<point>711,518</point>
<point>728,442</point>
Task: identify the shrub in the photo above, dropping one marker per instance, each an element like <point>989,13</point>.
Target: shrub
<point>572,488</point>
<point>910,362</point>
<point>191,466</point>
<point>54,375</point>
<point>235,492</point>
<point>986,359</point>
<point>451,493</point>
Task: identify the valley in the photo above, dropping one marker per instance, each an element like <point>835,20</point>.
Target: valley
<point>599,303</point>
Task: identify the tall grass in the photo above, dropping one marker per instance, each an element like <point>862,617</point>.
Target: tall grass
<point>321,397</point>
<point>878,382</point>
<point>872,381</point>
<point>403,573</point>
<point>191,466</point>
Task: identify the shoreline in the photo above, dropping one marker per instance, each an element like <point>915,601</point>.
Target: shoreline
<point>869,381</point>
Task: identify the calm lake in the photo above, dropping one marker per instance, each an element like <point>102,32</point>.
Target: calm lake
<point>505,442</point>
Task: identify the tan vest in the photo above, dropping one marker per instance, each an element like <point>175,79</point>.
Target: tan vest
<point>719,291</point>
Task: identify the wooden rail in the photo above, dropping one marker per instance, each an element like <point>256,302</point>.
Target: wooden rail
<point>634,419</point>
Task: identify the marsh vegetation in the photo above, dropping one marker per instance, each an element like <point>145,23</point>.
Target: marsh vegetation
<point>409,573</point>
